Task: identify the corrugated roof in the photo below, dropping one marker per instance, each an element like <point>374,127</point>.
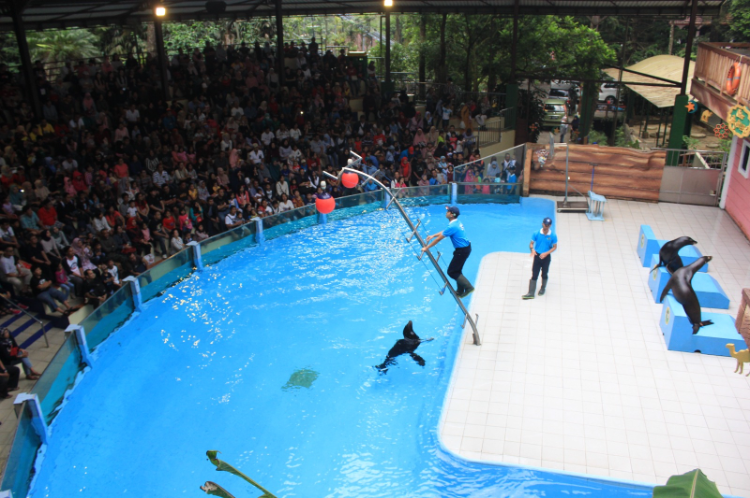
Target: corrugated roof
<point>662,66</point>
<point>45,14</point>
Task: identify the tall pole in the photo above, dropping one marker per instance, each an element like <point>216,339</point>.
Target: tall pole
<point>689,47</point>
<point>514,44</point>
<point>388,49</point>
<point>619,81</point>
<point>280,42</point>
<point>162,56</point>
<point>23,49</point>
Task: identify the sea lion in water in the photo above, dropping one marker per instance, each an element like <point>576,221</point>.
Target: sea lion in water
<point>408,344</point>
<point>680,283</point>
<point>668,256</point>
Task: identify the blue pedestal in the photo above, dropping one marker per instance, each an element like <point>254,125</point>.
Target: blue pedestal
<point>712,339</point>
<point>709,292</point>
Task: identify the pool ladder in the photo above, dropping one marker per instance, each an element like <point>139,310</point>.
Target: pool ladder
<point>415,233</point>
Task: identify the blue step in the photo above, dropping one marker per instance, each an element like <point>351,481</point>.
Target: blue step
<point>709,292</point>
<point>648,245</point>
<point>12,319</point>
<point>34,337</point>
<point>712,339</point>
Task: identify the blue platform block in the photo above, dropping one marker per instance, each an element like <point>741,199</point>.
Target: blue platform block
<point>712,339</point>
<point>648,245</point>
<point>709,292</point>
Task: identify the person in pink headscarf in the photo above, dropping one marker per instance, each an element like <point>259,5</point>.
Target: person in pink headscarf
<point>419,138</point>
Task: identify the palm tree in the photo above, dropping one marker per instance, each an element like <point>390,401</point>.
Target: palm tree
<point>63,45</point>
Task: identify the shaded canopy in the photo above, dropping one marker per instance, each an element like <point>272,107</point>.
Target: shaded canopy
<point>662,66</point>
<point>48,14</point>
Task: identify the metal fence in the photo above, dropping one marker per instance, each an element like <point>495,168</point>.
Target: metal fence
<point>693,176</point>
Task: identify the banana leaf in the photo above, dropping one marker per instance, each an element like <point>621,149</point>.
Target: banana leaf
<point>693,484</point>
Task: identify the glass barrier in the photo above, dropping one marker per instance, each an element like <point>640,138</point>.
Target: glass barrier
<point>288,222</point>
<point>489,193</point>
<point>58,377</point>
<point>423,196</point>
<point>18,472</point>
<point>162,276</point>
<point>354,205</point>
<point>222,245</point>
<point>108,316</point>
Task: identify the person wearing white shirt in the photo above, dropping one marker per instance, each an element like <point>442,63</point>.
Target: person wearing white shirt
<point>285,204</point>
<point>161,177</point>
<point>282,187</point>
<point>295,133</point>
<point>15,274</point>
<point>266,137</point>
<point>231,220</point>
<point>132,115</point>
<point>256,155</point>
<point>282,133</point>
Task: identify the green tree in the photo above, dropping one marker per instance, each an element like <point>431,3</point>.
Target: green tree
<point>62,45</point>
<point>740,20</point>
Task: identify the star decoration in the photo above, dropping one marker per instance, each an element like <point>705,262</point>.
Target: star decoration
<point>691,107</point>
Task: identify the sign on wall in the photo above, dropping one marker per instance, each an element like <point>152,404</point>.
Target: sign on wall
<point>738,120</point>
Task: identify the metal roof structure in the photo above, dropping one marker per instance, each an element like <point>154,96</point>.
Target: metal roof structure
<point>665,67</point>
<point>56,14</point>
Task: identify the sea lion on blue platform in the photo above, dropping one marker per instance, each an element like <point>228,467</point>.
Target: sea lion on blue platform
<point>408,344</point>
<point>668,256</point>
<point>681,286</point>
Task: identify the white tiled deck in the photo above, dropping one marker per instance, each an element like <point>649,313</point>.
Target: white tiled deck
<point>581,380</point>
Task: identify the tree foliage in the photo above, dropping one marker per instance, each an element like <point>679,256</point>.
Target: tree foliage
<point>62,45</point>
<point>740,20</point>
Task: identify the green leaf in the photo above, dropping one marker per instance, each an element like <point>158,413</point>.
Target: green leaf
<point>225,467</point>
<point>211,488</point>
<point>693,484</point>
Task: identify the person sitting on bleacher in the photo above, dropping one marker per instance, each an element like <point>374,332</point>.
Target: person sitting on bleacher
<point>95,290</point>
<point>8,380</point>
<point>42,288</point>
<point>11,354</point>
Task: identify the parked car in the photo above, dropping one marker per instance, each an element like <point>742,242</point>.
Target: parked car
<point>608,93</point>
<point>561,94</point>
<point>555,111</point>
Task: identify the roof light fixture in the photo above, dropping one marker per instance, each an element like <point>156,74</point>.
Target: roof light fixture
<point>388,3</point>
<point>160,11</point>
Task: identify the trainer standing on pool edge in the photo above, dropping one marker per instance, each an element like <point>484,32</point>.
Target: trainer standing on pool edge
<point>543,244</point>
<point>461,253</point>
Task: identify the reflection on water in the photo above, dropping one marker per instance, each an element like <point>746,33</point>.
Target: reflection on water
<point>301,378</point>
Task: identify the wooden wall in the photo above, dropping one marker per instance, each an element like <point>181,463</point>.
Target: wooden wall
<point>618,172</point>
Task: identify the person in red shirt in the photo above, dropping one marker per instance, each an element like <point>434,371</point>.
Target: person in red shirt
<point>121,169</point>
<point>168,222</point>
<point>48,214</point>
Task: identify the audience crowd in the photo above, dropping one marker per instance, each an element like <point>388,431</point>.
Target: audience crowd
<point>111,177</point>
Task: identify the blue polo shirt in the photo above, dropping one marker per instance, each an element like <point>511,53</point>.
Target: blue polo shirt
<point>457,234</point>
<point>543,242</point>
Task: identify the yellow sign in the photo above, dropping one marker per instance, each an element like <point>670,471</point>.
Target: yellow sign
<point>738,121</point>
<point>705,115</point>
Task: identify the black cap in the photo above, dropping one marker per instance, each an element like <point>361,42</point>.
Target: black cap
<point>547,221</point>
<point>453,209</point>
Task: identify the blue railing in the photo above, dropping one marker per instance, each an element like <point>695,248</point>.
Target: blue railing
<point>60,375</point>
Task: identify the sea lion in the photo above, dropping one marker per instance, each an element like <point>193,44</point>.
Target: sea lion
<point>668,256</point>
<point>408,344</point>
<point>680,284</point>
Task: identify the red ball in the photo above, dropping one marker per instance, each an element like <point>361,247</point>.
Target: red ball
<point>349,180</point>
<point>325,206</point>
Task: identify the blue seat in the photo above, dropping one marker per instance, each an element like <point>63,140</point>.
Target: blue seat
<point>709,292</point>
<point>596,202</point>
<point>712,339</point>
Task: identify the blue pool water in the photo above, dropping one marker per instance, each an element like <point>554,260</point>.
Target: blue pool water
<point>268,357</point>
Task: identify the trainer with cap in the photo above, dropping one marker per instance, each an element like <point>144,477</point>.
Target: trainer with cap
<point>543,244</point>
<point>462,249</point>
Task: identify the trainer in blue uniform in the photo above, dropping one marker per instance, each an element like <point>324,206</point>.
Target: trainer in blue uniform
<point>462,249</point>
<point>543,244</point>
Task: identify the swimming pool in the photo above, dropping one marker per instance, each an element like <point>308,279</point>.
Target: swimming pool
<point>268,357</point>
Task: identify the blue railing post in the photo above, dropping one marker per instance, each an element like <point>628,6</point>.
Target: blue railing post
<point>135,289</point>
<point>386,200</point>
<point>196,253</point>
<point>454,193</point>
<point>83,345</point>
<point>259,237</point>
<point>38,421</point>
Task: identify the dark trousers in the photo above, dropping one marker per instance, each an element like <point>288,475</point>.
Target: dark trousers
<point>10,382</point>
<point>460,255</point>
<point>540,264</point>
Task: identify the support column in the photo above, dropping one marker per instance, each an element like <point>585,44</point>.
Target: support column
<point>83,345</point>
<point>680,119</point>
<point>162,57</point>
<point>454,194</point>
<point>388,49</point>
<point>515,43</point>
<point>135,290</point>
<point>23,49</point>
<point>195,249</point>
<point>689,48</point>
<point>39,422</point>
<point>588,106</point>
<point>259,237</point>
<point>280,42</point>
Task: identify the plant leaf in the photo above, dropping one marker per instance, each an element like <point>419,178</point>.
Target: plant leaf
<point>211,488</point>
<point>225,467</point>
<point>693,484</point>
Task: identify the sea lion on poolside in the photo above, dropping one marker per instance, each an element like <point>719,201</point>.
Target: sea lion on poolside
<point>408,344</point>
<point>668,256</point>
<point>680,283</point>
